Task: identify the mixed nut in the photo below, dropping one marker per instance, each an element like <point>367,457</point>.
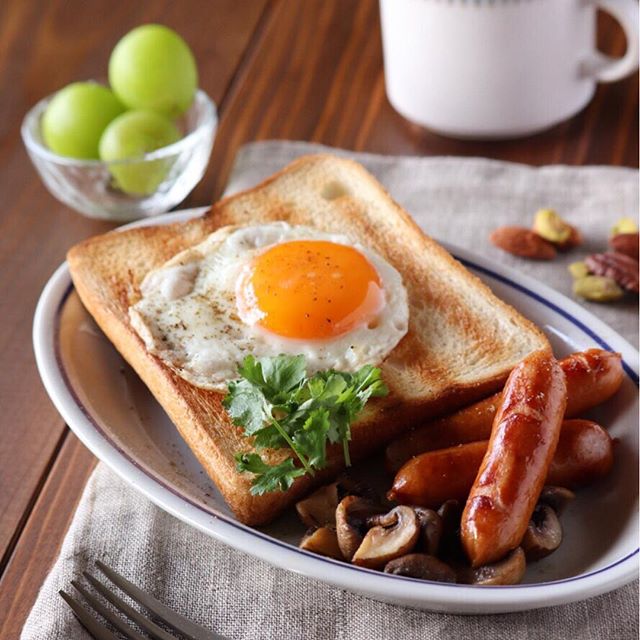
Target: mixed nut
<point>607,277</point>
<point>551,227</point>
<point>548,235</point>
<point>348,523</point>
<point>600,277</point>
<point>523,243</point>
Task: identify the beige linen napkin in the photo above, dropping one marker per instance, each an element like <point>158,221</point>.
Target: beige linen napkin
<point>453,199</point>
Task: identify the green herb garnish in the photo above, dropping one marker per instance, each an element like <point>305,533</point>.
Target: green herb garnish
<point>280,406</point>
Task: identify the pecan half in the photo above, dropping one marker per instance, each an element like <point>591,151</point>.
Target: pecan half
<point>626,243</point>
<point>617,266</point>
<point>523,243</point>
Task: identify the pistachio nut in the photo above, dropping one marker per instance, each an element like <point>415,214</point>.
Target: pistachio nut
<point>578,269</point>
<point>624,225</point>
<point>550,226</point>
<point>597,289</point>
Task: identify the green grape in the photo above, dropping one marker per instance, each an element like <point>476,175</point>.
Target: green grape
<point>130,136</point>
<point>153,68</point>
<point>76,117</point>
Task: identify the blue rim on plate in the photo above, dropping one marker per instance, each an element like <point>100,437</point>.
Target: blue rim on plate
<point>51,335</point>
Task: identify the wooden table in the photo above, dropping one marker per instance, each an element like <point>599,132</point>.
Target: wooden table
<point>307,70</point>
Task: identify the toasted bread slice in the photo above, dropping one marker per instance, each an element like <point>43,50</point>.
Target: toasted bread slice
<point>461,345</point>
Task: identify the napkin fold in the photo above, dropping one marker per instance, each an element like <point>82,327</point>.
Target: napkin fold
<point>460,200</point>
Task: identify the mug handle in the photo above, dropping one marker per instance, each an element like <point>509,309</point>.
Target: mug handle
<point>605,68</point>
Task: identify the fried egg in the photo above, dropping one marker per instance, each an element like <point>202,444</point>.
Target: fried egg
<point>268,290</point>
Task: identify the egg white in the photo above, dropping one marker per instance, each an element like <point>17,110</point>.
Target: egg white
<point>188,317</point>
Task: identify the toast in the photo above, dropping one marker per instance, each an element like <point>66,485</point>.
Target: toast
<point>461,344</point>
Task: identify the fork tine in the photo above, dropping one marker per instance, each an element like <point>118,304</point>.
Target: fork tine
<point>108,615</point>
<point>98,631</point>
<point>150,627</point>
<point>181,624</point>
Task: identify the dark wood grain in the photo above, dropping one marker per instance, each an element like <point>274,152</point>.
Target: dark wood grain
<point>42,535</point>
<point>46,45</point>
<point>334,94</point>
<point>307,70</point>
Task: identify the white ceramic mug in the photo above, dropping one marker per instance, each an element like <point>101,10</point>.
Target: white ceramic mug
<point>498,68</point>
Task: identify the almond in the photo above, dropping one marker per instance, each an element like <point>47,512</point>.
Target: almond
<point>523,243</point>
<point>626,243</point>
<point>617,266</point>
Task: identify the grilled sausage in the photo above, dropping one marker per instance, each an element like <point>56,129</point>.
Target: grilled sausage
<point>470,424</point>
<point>593,376</point>
<point>523,440</point>
<point>431,478</point>
<point>584,454</point>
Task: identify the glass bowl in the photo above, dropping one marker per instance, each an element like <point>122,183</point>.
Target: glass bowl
<point>88,186</point>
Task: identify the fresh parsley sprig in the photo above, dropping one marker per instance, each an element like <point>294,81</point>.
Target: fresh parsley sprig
<point>281,407</point>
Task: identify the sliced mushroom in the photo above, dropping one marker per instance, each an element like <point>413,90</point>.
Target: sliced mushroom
<point>395,535</point>
<point>319,509</point>
<point>556,497</point>
<point>509,570</point>
<point>351,523</point>
<point>421,565</point>
<point>323,541</point>
<point>544,533</point>
<point>430,530</point>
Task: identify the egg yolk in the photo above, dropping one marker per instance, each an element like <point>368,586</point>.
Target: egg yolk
<point>310,289</point>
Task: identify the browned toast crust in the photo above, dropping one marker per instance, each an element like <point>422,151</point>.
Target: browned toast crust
<point>462,341</point>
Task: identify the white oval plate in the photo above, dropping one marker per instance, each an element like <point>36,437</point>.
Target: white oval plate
<point>116,417</point>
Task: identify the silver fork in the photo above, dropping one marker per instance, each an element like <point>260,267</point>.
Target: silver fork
<point>178,623</point>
